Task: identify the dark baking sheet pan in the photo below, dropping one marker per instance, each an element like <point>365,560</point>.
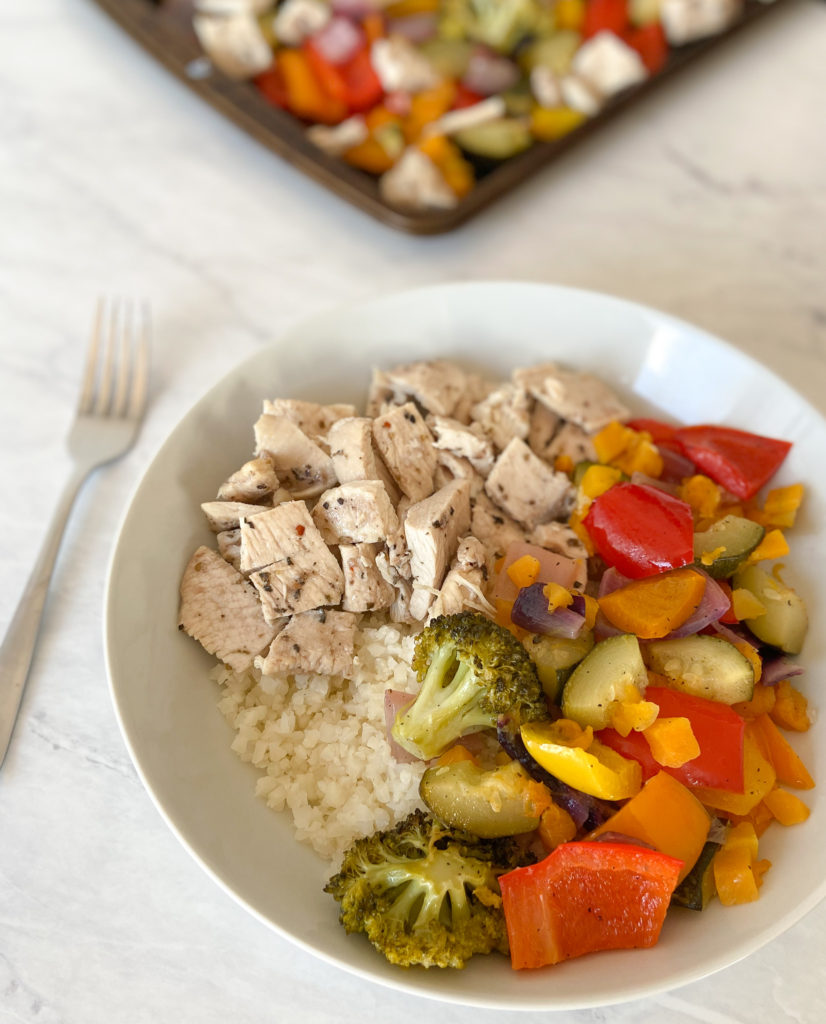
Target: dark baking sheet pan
<point>165,31</point>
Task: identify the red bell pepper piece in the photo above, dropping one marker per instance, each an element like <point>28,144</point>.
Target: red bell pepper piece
<point>353,82</point>
<point>650,43</point>
<point>717,728</point>
<point>738,460</point>
<point>658,430</point>
<point>584,897</point>
<point>605,15</point>
<point>465,97</point>
<point>272,86</point>
<point>641,530</point>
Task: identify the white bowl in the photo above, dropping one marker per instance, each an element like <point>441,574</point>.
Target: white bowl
<point>166,706</point>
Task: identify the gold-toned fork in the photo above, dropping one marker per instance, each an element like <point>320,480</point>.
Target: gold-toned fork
<point>112,401</point>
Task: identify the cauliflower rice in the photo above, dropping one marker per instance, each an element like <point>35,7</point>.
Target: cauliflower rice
<point>322,744</point>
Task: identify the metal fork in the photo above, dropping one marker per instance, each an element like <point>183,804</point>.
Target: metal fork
<point>112,400</point>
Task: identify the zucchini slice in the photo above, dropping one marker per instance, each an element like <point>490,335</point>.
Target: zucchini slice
<point>697,888</point>
<point>722,548</point>
<point>499,139</point>
<point>613,670</point>
<point>705,666</point>
<point>785,621</point>
<point>555,658</point>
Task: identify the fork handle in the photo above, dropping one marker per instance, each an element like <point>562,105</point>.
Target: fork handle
<point>18,645</point>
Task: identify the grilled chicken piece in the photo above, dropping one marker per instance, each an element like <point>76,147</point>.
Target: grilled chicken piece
<point>406,445</point>
<point>543,428</point>
<point>313,419</point>
<point>559,538</point>
<point>354,458</point>
<point>402,589</point>
<point>436,385</point>
<point>581,398</point>
<point>464,586</point>
<point>573,441</point>
<point>503,415</point>
<point>290,565</point>
<point>227,515</point>
<point>356,513</point>
<point>466,442</point>
<point>254,482</point>
<point>229,544</point>
<point>365,589</point>
<point>221,610</point>
<point>432,529</point>
<point>303,467</point>
<point>527,488</point>
<point>453,467</point>
<point>318,642</point>
<point>493,527</point>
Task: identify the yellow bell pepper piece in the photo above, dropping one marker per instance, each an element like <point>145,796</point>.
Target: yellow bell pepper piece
<point>702,494</point>
<point>612,440</point>
<point>557,595</point>
<point>556,826</point>
<point>786,807</point>
<point>598,771</point>
<point>672,741</point>
<point>633,714</point>
<point>570,14</point>
<point>668,816</point>
<point>737,872</point>
<point>597,480</point>
<point>523,571</point>
<point>773,545</point>
<point>550,123</point>
<point>745,605</point>
<point>790,709</point>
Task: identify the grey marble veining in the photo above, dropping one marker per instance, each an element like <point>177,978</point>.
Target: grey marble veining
<point>709,203</point>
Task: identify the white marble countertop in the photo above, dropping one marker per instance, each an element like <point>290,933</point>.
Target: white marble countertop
<point>709,202</point>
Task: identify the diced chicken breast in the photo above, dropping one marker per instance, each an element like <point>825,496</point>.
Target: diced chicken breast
<point>254,482</point>
<point>608,64</point>
<point>544,425</point>
<point>290,565</point>
<point>415,182</point>
<point>503,415</point>
<point>464,586</point>
<point>685,21</point>
<point>526,487</point>
<point>464,441</point>
<point>354,457</point>
<point>401,66</point>
<point>313,419</point>
<point>406,445</point>
<point>303,467</point>
<point>580,94</point>
<point>493,527</point>
<point>359,512</point>
<point>317,642</point>
<point>559,538</point>
<point>229,544</point>
<point>436,385</point>
<point>545,86</point>
<point>573,441</point>
<point>489,109</point>
<point>338,138</point>
<point>297,20</point>
<point>365,589</point>
<point>454,467</point>
<point>583,399</point>
<point>234,42</point>
<point>477,388</point>
<point>402,589</point>
<point>221,610</point>
<point>432,528</point>
<point>227,515</point>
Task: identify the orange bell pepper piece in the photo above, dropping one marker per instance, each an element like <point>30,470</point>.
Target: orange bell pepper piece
<point>774,746</point>
<point>652,607</point>
<point>790,709</point>
<point>306,97</point>
<point>666,815</point>
<point>758,778</point>
<point>787,808</point>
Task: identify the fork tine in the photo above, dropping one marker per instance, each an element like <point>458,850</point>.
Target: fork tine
<point>106,362</point>
<point>124,360</point>
<point>140,367</point>
<point>87,392</point>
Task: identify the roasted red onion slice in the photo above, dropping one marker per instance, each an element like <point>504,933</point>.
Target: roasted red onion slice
<point>394,701</point>
<point>779,668</point>
<point>715,603</point>
<point>530,611</point>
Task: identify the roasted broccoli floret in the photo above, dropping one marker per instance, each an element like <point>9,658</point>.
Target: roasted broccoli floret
<point>426,894</point>
<point>472,671</point>
<point>500,24</point>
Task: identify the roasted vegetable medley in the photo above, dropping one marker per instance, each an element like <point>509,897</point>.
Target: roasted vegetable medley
<point>638,754</point>
<point>427,95</point>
